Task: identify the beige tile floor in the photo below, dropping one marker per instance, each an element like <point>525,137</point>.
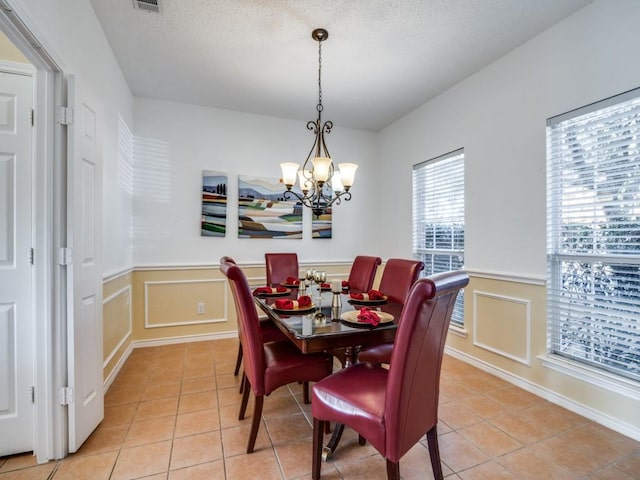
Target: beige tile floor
<point>172,413</point>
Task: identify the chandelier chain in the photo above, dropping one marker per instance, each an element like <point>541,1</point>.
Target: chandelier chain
<point>319,106</point>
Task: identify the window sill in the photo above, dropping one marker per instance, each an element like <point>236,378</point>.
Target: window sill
<point>593,376</point>
<point>459,331</point>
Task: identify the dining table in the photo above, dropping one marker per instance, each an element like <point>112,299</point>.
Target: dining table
<point>324,329</point>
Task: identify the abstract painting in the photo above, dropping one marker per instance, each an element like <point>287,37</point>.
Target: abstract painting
<point>263,212</point>
<point>321,226</point>
<point>213,222</point>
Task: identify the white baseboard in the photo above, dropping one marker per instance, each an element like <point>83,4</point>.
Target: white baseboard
<point>606,420</point>
<point>159,342</point>
<point>184,339</point>
<point>116,369</point>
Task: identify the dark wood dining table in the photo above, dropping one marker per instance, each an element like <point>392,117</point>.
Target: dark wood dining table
<point>322,330</point>
<point>326,333</point>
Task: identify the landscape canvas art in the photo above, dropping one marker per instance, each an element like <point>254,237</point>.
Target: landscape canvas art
<point>213,222</point>
<point>263,212</point>
<point>321,226</point>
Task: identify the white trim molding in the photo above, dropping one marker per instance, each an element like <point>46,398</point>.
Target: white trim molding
<point>17,68</point>
<point>205,266</point>
<point>225,297</point>
<point>159,342</point>
<point>459,331</point>
<point>115,274</point>
<point>594,376</point>
<point>508,277</point>
<point>606,420</point>
<point>184,339</point>
<point>114,295</point>
<point>526,360</point>
<point>116,368</point>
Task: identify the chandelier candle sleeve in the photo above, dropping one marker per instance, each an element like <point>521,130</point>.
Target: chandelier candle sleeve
<point>289,173</point>
<point>347,174</point>
<point>321,166</point>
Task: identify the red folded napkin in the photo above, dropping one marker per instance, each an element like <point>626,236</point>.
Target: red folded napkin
<point>292,281</point>
<point>286,304</point>
<point>325,285</point>
<point>369,316</point>
<point>269,290</point>
<point>345,284</point>
<point>370,295</point>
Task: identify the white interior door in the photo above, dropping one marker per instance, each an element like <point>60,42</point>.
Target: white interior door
<point>17,336</point>
<point>84,275</point>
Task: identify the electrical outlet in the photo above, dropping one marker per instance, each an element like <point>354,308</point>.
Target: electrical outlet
<point>200,308</point>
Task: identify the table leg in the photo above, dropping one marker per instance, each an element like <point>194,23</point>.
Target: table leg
<point>333,442</point>
<point>351,355</point>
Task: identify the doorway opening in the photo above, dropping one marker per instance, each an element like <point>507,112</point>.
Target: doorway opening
<point>47,186</point>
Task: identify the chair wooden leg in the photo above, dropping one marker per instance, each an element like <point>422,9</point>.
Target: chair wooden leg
<point>238,360</point>
<point>255,423</point>
<point>434,453</point>
<point>305,393</point>
<point>244,379</point>
<point>318,436</point>
<point>245,398</point>
<point>393,470</point>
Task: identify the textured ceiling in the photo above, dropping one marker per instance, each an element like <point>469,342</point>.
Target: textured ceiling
<point>383,58</point>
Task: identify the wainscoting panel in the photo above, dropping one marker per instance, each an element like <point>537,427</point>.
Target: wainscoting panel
<point>502,325</point>
<point>117,326</point>
<point>170,303</point>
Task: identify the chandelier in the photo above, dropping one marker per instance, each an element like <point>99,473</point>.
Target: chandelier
<point>321,184</point>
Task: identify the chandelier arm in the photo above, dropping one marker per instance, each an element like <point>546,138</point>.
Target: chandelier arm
<point>304,199</point>
<point>326,128</point>
<point>346,196</point>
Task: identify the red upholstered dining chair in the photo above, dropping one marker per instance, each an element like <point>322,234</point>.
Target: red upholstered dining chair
<point>270,333</point>
<point>394,408</point>
<point>267,365</point>
<point>363,272</point>
<point>398,277</point>
<point>279,266</point>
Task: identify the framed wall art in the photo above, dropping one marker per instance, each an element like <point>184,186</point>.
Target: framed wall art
<point>213,221</point>
<point>263,212</point>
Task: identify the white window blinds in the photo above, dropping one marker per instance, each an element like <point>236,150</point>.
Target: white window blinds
<point>593,234</point>
<point>438,217</point>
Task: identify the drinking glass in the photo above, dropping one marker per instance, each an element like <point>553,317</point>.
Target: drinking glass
<point>320,277</point>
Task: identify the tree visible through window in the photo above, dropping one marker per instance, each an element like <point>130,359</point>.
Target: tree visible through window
<point>593,234</point>
<point>438,218</point>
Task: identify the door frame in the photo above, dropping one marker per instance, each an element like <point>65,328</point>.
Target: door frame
<point>49,233</point>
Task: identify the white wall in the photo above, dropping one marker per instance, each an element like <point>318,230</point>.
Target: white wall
<point>70,31</point>
<point>499,116</point>
<point>175,142</point>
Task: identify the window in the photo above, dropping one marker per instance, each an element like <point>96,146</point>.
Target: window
<point>438,218</point>
<point>593,234</point>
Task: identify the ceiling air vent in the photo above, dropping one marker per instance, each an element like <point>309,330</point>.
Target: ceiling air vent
<point>152,6</point>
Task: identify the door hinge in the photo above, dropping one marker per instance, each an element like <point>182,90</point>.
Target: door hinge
<point>64,115</point>
<point>66,396</point>
<point>33,117</point>
<point>32,393</point>
<point>31,255</point>
<point>65,256</point>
